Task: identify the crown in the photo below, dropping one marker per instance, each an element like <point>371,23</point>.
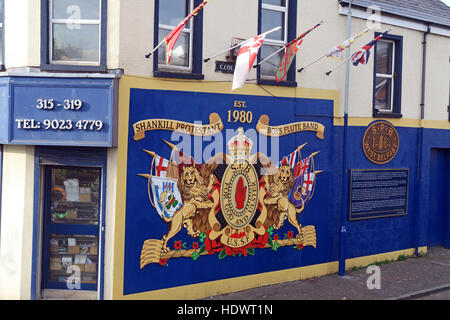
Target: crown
<point>240,145</point>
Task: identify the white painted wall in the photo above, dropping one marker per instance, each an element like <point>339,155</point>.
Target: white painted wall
<point>17,222</point>
<point>22,33</point>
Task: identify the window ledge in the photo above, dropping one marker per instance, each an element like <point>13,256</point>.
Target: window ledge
<point>279,84</point>
<point>178,75</point>
<point>394,115</point>
<point>72,68</point>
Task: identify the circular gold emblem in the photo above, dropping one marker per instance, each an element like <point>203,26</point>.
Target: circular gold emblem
<point>239,194</point>
<point>380,142</point>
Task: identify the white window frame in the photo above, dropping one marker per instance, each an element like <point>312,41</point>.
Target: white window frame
<point>272,42</point>
<point>388,76</point>
<point>186,30</point>
<point>52,21</point>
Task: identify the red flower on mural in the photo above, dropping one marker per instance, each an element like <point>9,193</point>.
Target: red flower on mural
<point>177,245</point>
<point>275,237</point>
<point>290,235</point>
<point>300,246</point>
<point>195,245</point>
<point>162,262</point>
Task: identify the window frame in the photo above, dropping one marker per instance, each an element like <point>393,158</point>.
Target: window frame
<point>290,32</point>
<point>47,63</point>
<point>396,93</point>
<point>388,76</point>
<point>194,70</point>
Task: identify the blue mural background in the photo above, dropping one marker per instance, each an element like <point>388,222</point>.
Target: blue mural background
<point>365,237</point>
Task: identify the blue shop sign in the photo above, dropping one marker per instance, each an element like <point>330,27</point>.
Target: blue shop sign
<point>58,111</point>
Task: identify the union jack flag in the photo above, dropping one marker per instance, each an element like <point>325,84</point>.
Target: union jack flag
<point>289,160</point>
<point>301,167</point>
<point>363,55</point>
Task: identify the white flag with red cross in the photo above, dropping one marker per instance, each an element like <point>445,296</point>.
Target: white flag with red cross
<point>246,57</point>
<point>161,166</point>
<point>308,181</point>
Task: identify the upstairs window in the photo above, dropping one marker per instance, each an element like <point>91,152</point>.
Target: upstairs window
<point>171,13</point>
<point>384,81</point>
<point>186,58</point>
<point>387,77</point>
<point>275,13</point>
<point>75,34</point>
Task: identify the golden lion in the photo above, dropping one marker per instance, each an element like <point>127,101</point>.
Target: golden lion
<point>194,193</point>
<point>280,207</point>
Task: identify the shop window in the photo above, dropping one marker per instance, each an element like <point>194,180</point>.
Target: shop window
<point>71,227</point>
<point>274,13</point>
<point>74,35</point>
<point>387,77</point>
<point>186,58</point>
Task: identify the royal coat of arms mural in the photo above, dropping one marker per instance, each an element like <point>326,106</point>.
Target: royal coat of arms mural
<point>242,201</point>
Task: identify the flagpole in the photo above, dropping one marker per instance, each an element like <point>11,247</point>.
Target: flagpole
<point>340,65</point>
<point>344,204</point>
<point>282,48</point>
<point>327,55</point>
<point>288,44</point>
<point>183,22</point>
<point>156,48</point>
<point>311,63</point>
<point>242,43</point>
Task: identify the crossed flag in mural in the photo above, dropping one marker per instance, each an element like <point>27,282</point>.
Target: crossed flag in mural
<point>249,49</point>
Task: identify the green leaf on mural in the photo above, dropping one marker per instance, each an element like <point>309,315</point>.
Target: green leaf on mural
<point>202,249</point>
<point>251,251</point>
<point>222,254</point>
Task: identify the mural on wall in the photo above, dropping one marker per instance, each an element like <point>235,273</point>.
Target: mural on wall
<point>232,204</point>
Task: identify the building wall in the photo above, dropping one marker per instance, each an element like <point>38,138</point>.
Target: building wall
<point>130,31</point>
<point>17,222</point>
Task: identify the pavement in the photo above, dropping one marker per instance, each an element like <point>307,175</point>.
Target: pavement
<point>426,277</point>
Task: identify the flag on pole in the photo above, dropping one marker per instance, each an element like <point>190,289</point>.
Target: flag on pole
<point>285,64</point>
<point>161,166</point>
<point>301,167</point>
<point>246,57</point>
<point>308,181</point>
<point>362,56</point>
<point>289,160</point>
<point>336,52</point>
<point>172,37</point>
<point>291,50</point>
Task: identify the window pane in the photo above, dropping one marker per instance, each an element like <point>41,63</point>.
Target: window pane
<point>276,2</point>
<point>68,252</point>
<point>76,43</point>
<point>76,9</point>
<point>384,57</point>
<point>272,19</point>
<point>180,53</point>
<point>172,12</point>
<point>383,94</point>
<point>75,196</point>
<point>270,66</point>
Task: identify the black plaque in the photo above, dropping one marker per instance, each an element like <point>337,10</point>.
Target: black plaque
<point>225,67</point>
<point>378,193</point>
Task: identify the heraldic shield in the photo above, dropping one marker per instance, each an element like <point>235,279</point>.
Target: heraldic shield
<point>233,203</point>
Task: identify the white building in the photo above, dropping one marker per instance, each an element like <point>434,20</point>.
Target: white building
<point>75,80</point>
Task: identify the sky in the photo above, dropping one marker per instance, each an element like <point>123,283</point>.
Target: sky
<point>446,2</point>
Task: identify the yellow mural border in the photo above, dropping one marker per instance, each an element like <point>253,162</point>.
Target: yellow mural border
<point>201,290</point>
